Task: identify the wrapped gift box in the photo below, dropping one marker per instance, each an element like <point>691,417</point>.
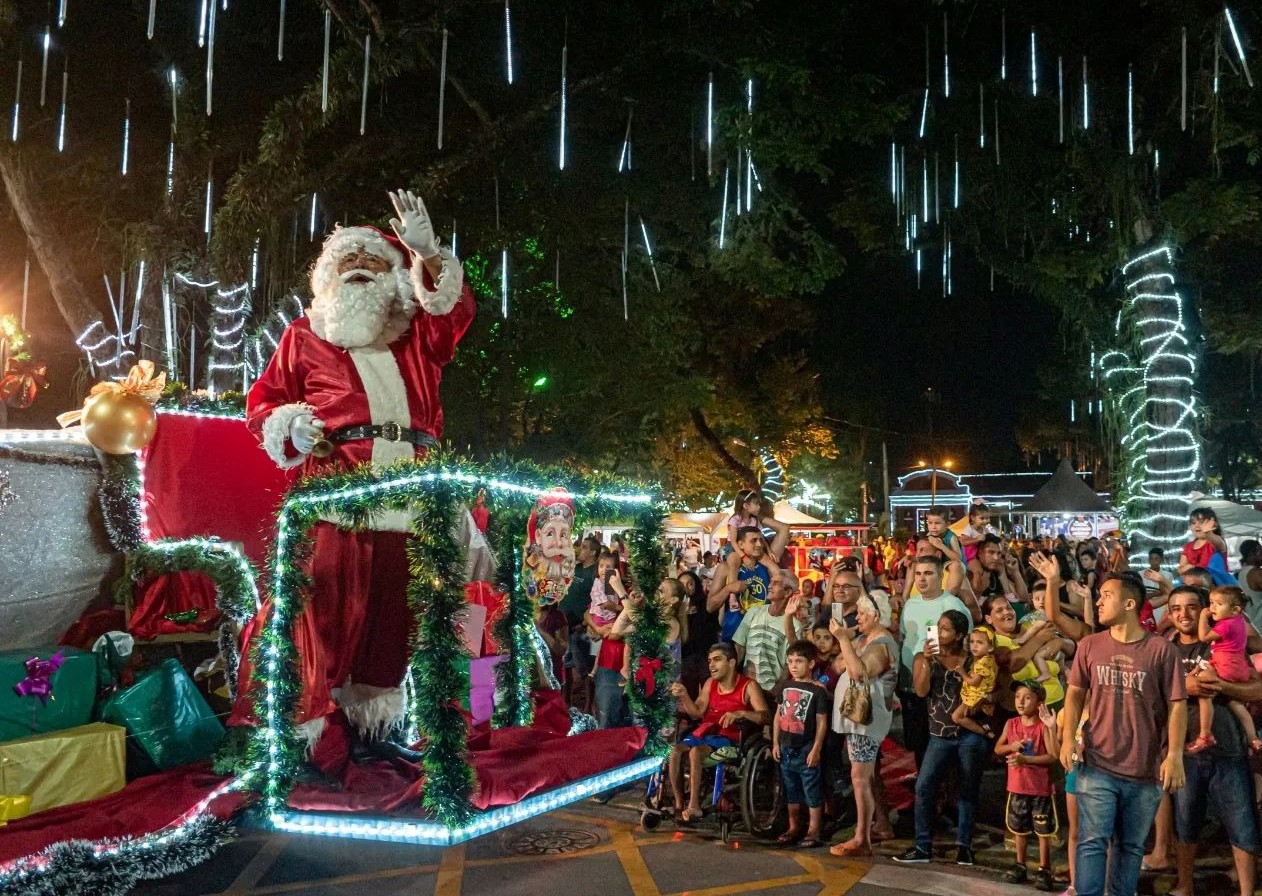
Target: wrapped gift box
<point>483,594</point>
<point>167,716</point>
<point>482,687</point>
<point>63,767</point>
<point>73,693</point>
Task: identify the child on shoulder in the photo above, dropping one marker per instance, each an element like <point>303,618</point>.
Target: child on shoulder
<point>980,672</point>
<point>797,743</point>
<point>1028,742</point>
<point>747,511</point>
<point>1207,548</point>
<point>1223,628</point>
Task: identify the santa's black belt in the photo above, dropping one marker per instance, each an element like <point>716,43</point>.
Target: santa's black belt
<point>391,432</point>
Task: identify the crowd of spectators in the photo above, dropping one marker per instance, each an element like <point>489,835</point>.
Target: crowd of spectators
<point>1049,657</point>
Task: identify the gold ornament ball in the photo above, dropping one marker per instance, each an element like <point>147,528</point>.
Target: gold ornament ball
<point>119,423</point>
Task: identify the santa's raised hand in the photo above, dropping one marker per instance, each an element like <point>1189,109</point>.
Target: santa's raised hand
<point>413,225</point>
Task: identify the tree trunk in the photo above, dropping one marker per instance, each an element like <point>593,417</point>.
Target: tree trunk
<point>708,435</point>
<point>48,246</point>
<point>1151,379</point>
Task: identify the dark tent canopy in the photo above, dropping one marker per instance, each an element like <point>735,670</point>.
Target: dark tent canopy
<point>1065,492</point>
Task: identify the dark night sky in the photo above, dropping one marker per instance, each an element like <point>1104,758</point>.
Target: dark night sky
<point>881,337</point>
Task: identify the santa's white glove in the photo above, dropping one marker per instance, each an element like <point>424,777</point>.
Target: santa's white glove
<point>304,430</point>
<point>413,225</point>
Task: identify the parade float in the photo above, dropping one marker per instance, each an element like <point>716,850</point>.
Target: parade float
<point>109,778</point>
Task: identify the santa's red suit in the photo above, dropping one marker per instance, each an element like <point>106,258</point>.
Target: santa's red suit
<point>353,637</point>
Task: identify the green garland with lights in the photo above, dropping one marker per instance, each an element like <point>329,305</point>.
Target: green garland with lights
<point>178,397</point>
<point>512,630</point>
<point>433,489</point>
<point>649,564</point>
<point>236,588</point>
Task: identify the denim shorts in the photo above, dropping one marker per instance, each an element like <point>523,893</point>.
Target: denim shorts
<point>1227,785</point>
<point>802,783</point>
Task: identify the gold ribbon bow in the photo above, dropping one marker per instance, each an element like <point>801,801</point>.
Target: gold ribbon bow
<point>140,381</point>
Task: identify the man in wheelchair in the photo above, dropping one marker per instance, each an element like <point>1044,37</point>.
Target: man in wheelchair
<point>728,702</point>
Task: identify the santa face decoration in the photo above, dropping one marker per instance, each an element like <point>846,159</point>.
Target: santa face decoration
<point>549,564</point>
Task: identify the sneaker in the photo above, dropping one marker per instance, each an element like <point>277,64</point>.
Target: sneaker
<point>913,856</point>
<point>964,856</point>
<point>1017,874</point>
<point>1043,880</point>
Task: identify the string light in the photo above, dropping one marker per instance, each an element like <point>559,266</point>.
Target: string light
<point>624,158</point>
<point>324,77</point>
<point>43,76</point>
<point>649,251</point>
<point>924,113</point>
<point>363,99</point>
<point>1130,109</point>
<point>1162,457</point>
<point>61,116</point>
<point>709,134</point>
<point>280,35</point>
<point>1034,69</point>
<point>508,39</point>
<point>1235,38</point>
<point>17,105</point>
<point>723,216</point>
<point>126,133</point>
<point>565,52</point>
<point>1086,97</point>
<point>504,282</point>
<point>442,90</point>
<point>429,833</point>
<point>153,15</point>
<point>1003,45</point>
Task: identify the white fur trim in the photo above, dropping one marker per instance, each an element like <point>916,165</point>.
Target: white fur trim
<point>446,292</point>
<point>372,710</point>
<point>276,432</point>
<point>310,732</point>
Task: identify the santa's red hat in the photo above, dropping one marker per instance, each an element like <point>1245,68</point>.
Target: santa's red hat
<point>556,502</point>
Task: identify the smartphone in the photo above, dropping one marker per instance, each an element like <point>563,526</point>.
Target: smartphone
<point>931,636</point>
<point>839,614</point>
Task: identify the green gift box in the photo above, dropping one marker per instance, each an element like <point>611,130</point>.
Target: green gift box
<point>69,704</point>
<point>167,717</point>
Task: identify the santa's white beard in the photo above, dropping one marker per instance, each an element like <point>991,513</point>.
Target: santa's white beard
<point>351,315</point>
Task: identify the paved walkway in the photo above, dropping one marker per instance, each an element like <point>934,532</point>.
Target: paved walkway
<point>584,850</point>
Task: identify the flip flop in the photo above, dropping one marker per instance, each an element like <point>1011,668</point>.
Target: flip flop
<point>787,839</point>
<point>810,843</point>
<point>1152,869</point>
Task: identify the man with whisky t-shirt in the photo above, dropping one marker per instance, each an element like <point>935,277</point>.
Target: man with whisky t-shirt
<point>1131,683</point>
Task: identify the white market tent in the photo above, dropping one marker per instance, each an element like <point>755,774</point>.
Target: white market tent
<point>787,513</point>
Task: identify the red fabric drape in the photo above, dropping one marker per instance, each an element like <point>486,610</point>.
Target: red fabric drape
<point>510,765</point>
<point>143,806</point>
<point>208,476</point>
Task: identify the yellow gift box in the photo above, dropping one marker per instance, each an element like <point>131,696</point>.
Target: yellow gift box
<point>63,767</point>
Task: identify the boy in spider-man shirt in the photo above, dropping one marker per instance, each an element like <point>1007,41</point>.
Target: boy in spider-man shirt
<point>797,739</point>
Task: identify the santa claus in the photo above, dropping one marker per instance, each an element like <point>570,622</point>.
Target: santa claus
<point>357,381</point>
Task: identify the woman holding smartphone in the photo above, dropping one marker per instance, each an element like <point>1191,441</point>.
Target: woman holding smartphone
<point>868,654</point>
<point>937,677</point>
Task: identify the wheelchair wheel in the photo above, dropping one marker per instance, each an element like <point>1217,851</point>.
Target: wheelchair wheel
<point>650,819</point>
<point>762,796</point>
